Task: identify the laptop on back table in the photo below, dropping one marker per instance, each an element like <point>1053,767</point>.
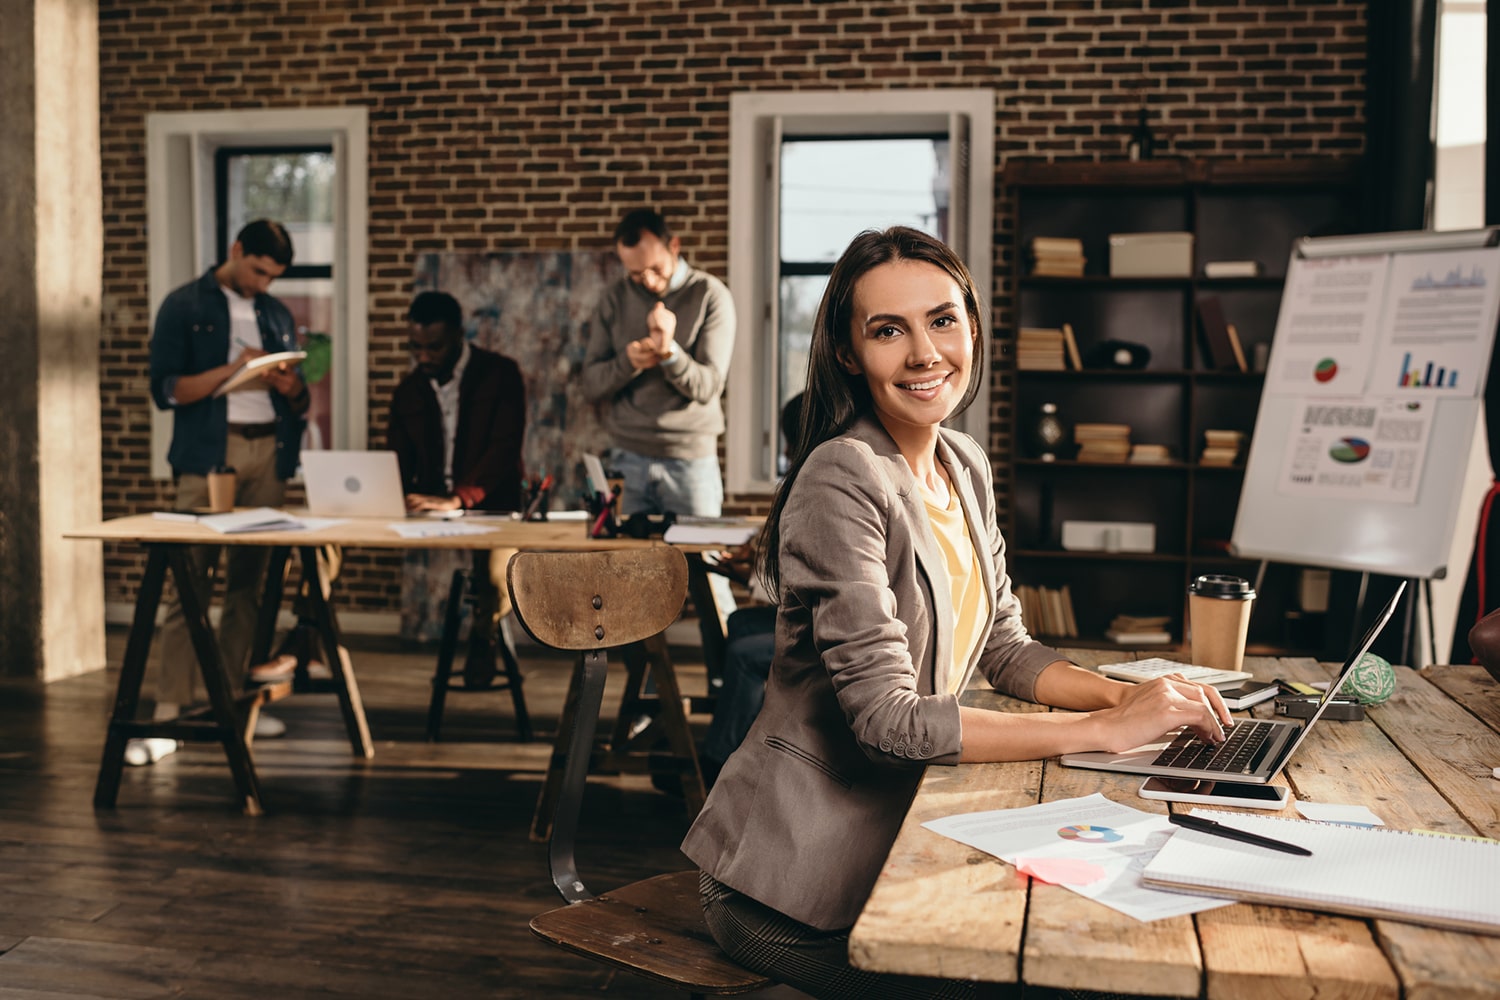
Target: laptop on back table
<point>1256,749</point>
<point>353,484</point>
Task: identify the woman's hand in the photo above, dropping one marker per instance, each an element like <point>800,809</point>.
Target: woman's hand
<point>1149,710</point>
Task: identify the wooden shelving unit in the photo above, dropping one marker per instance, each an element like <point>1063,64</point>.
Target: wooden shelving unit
<point>1251,210</point>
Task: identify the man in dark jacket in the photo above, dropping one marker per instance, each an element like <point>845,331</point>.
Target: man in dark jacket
<point>204,332</point>
<point>456,425</point>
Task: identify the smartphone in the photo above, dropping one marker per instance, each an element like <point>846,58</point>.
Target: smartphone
<point>1216,793</point>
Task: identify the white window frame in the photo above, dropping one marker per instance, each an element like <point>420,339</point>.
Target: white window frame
<point>758,120</point>
<point>180,215</point>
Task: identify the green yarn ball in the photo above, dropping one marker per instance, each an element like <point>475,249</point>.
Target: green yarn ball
<point>1372,680</point>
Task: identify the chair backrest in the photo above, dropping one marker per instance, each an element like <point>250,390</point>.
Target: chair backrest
<point>590,602</point>
<point>597,600</point>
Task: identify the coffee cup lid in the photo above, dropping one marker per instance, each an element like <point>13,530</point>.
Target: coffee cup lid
<point>1229,588</point>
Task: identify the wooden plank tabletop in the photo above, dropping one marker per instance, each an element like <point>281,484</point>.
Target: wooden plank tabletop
<point>370,532</point>
<point>1420,761</point>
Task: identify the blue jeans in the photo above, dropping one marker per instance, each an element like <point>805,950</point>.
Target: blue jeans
<point>689,486</point>
<point>747,662</point>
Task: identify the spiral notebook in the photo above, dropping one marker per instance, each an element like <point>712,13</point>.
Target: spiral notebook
<point>1368,871</point>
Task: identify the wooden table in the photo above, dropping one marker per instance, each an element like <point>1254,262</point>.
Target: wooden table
<point>230,715</point>
<point>1422,760</point>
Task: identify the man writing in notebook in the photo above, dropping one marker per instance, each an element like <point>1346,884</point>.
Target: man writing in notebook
<point>204,332</point>
<point>456,425</point>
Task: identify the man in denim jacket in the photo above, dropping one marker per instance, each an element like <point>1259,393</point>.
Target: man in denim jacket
<point>204,332</point>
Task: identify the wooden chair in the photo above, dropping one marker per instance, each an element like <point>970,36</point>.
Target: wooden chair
<point>592,602</point>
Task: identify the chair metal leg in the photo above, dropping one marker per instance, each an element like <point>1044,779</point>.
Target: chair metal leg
<point>590,675</point>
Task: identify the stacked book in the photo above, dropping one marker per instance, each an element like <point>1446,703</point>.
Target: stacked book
<point>1047,611</point>
<point>1041,349</point>
<point>1221,447</point>
<point>1056,257</point>
<point>1137,630</point>
<point>1150,454</point>
<point>1102,442</point>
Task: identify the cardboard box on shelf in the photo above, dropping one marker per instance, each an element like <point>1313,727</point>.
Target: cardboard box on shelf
<point>1151,255</point>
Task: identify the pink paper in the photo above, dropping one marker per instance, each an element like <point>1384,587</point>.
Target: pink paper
<point>1060,871</point>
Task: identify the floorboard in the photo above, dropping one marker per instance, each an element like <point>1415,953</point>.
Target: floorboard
<point>406,876</point>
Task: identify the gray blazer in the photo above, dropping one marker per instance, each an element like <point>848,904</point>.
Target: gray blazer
<point>804,813</point>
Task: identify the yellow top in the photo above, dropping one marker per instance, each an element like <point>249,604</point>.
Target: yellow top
<point>970,603</point>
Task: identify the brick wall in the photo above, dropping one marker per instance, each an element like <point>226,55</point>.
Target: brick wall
<point>531,126</point>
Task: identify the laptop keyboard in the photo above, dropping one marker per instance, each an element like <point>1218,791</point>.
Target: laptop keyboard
<point>1238,754</point>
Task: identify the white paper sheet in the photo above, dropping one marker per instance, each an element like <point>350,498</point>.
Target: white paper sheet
<point>439,529</point>
<point>1113,843</point>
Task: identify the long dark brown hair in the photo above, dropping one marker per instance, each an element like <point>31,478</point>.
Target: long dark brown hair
<point>834,398</point>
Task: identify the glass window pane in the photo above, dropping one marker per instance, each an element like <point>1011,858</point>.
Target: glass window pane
<point>293,188</point>
<point>831,189</point>
<point>311,303</point>
<point>799,307</point>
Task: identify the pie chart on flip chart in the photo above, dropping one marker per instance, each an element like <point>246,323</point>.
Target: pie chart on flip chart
<point>1349,450</point>
<point>1325,370</point>
<point>1087,832</point>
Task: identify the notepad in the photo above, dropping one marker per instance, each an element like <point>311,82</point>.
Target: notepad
<point>1361,871</point>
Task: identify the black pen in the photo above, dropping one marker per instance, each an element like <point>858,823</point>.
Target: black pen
<point>1219,830</point>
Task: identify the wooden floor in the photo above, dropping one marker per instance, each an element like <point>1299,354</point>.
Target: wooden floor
<point>407,876</point>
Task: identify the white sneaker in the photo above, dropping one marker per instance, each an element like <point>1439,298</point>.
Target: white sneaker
<point>149,750</point>
<point>268,727</point>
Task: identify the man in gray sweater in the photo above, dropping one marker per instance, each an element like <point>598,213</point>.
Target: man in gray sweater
<point>658,353</point>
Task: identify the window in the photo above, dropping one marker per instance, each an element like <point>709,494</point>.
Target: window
<point>808,171</point>
<point>295,186</point>
<point>209,173</point>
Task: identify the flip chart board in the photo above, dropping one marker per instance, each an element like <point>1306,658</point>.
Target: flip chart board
<point>1373,389</point>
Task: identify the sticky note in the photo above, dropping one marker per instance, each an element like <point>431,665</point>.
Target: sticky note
<point>1060,871</point>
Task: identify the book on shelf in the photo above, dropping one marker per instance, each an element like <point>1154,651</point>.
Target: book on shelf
<point>1040,349</point>
<point>1236,347</point>
<point>1056,257</point>
<point>1059,245</point>
<point>1071,342</point>
<point>1215,333</point>
<point>1216,437</point>
<point>1047,610</point>
<point>1102,442</point>
<point>1219,456</point>
<point>251,370</point>
<point>1150,454</point>
<point>1152,638</point>
<point>1231,269</point>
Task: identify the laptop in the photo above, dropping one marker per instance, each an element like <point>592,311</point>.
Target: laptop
<point>353,484</point>
<point>1254,753</point>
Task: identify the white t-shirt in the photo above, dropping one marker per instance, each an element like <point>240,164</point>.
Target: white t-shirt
<point>249,406</point>
<point>447,397</point>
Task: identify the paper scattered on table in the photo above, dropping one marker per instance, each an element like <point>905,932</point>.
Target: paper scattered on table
<point>315,523</point>
<point>1495,772</point>
<point>439,529</point>
<point>726,532</point>
<point>183,517</point>
<point>254,519</point>
<point>1334,812</point>
<point>1061,871</point>
<point>1057,839</point>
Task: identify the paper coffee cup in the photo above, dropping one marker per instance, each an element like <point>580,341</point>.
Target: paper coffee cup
<point>221,491</point>
<point>1219,609</point>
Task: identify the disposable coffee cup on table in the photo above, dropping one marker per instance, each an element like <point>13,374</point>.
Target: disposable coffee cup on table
<point>1219,608</point>
<point>221,490</point>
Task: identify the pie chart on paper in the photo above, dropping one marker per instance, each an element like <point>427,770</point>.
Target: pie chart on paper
<point>1086,832</point>
<point>1349,450</point>
<point>1325,370</point>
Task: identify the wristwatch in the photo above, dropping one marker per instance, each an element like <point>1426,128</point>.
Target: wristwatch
<point>672,352</point>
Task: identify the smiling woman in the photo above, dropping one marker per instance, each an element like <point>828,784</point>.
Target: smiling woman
<point>884,553</point>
